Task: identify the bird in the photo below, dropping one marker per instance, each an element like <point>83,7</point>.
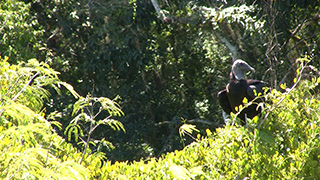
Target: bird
<point>239,88</point>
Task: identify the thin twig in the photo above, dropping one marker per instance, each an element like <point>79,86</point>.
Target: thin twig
<point>203,121</point>
<point>190,136</point>
<point>286,94</point>
<point>86,144</point>
<point>9,90</point>
<point>18,94</point>
<point>100,110</point>
<point>285,76</point>
<point>25,86</point>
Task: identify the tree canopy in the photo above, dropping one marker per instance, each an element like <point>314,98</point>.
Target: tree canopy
<point>160,63</point>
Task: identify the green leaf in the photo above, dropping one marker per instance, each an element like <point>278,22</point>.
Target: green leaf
<point>71,89</point>
<point>245,100</point>
<point>80,105</point>
<point>283,86</point>
<point>189,128</point>
<point>266,137</point>
<point>114,124</point>
<point>179,172</point>
<point>74,129</point>
<point>111,106</point>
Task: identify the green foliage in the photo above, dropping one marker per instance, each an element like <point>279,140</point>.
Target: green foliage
<point>29,146</point>
<point>115,48</point>
<point>163,70</point>
<point>20,35</point>
<point>187,129</point>
<point>85,113</point>
<point>25,83</point>
<point>285,146</point>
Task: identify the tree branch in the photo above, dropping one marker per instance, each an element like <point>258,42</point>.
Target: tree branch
<point>166,19</point>
<point>232,48</point>
<point>286,94</point>
<point>25,86</point>
<point>158,9</point>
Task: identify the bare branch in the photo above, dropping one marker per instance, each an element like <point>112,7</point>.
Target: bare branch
<point>164,18</point>
<point>232,48</point>
<point>203,121</point>
<point>158,9</point>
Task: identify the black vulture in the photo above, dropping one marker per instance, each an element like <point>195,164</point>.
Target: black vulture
<point>239,88</point>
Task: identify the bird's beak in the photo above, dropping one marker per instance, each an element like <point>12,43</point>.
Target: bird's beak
<point>252,69</point>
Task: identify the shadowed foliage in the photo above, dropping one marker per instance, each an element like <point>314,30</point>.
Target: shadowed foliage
<point>166,71</point>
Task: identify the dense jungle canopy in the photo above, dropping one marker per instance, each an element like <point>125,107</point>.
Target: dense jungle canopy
<point>160,62</point>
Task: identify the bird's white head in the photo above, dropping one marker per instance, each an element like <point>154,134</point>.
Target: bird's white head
<point>239,68</point>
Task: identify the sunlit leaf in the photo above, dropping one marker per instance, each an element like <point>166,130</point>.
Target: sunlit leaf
<point>189,128</point>
<point>245,100</point>
<point>209,133</point>
<point>283,86</point>
<point>179,172</point>
<point>71,89</point>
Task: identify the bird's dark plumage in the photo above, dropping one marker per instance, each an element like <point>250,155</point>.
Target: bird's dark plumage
<point>239,88</point>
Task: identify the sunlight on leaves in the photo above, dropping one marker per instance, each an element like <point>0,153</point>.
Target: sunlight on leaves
<point>179,172</point>
<point>245,100</point>
<point>283,86</point>
<point>187,128</point>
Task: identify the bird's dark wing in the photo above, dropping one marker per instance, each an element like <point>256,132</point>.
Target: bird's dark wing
<point>254,88</point>
<point>224,101</point>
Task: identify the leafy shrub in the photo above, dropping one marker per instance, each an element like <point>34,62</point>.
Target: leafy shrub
<point>160,71</point>
<point>20,35</point>
<point>29,147</point>
<point>284,145</point>
<point>87,112</point>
